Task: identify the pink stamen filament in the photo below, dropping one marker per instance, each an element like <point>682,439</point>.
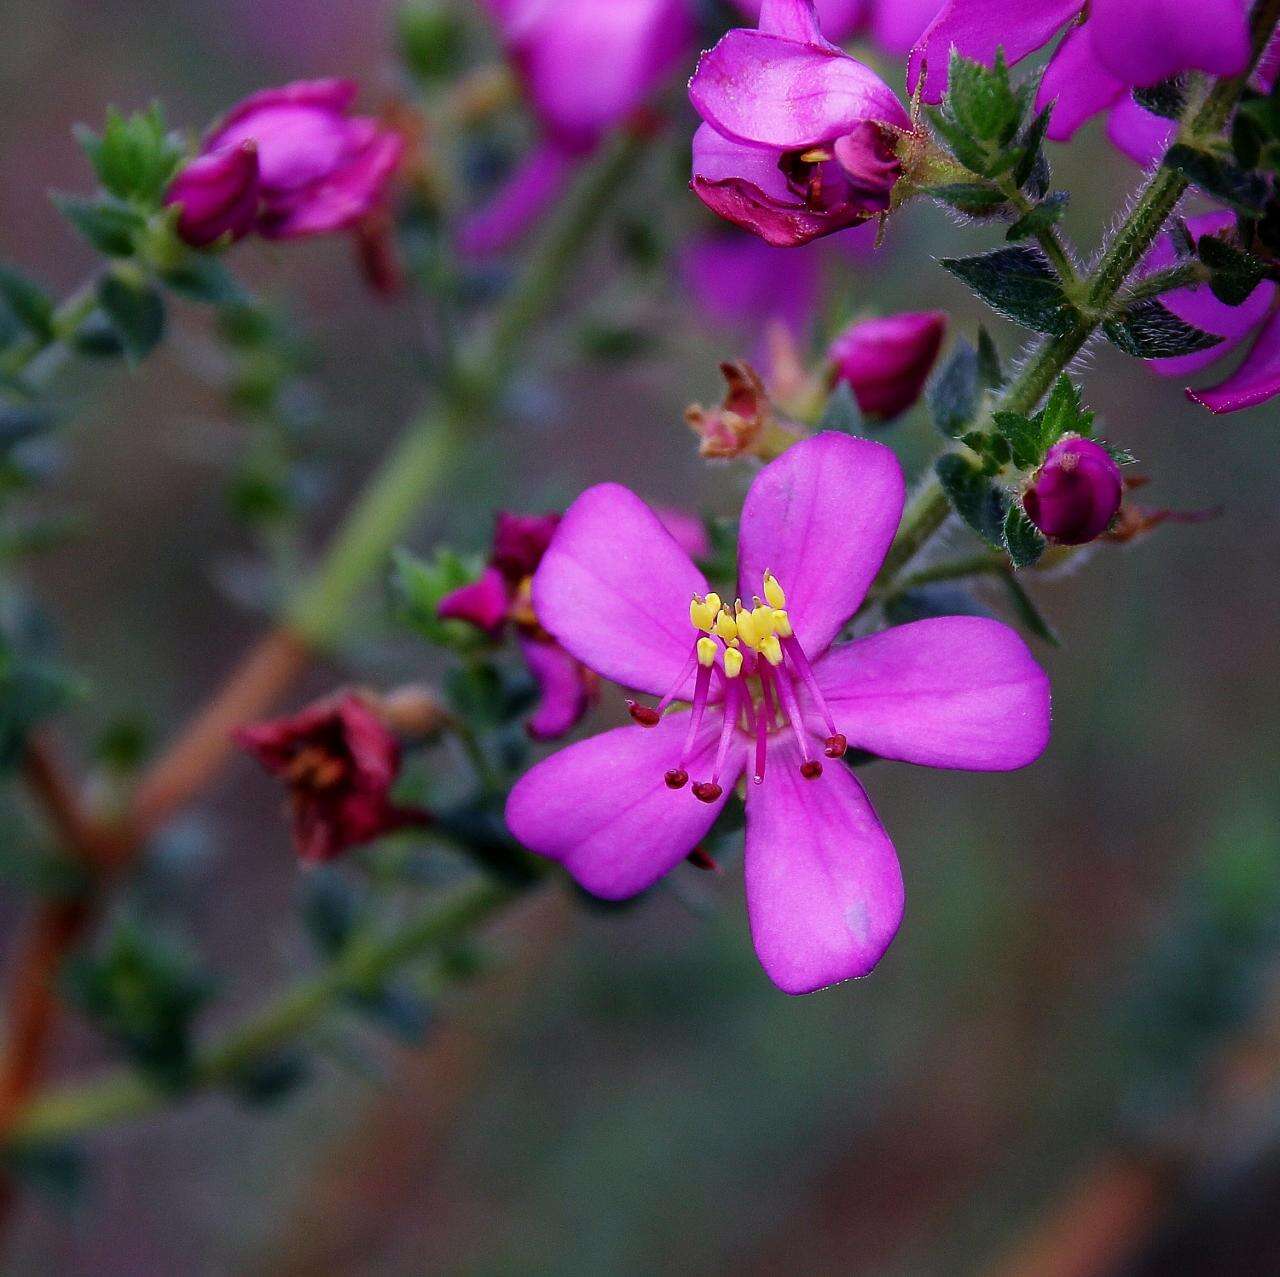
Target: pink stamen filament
<point>795,654</point>
<point>763,720</point>
<point>648,716</point>
<point>732,699</point>
<point>809,767</point>
<point>700,690</point>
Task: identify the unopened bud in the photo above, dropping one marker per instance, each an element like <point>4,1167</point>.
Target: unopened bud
<point>1074,497</point>
<point>217,195</point>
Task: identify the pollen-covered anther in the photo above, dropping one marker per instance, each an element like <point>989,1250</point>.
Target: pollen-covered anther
<point>707,791</point>
<point>726,628</point>
<point>782,624</point>
<point>703,612</point>
<point>811,769</point>
<point>645,715</point>
<point>836,746</point>
<point>771,650</point>
<point>676,778</point>
<point>773,591</point>
<point>732,662</point>
<point>707,649</point>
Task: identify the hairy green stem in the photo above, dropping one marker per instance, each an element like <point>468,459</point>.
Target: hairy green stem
<point>127,1093</point>
<point>929,507</point>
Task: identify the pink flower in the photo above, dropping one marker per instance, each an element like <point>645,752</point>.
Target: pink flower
<point>895,25</point>
<point>1257,378</point>
<point>771,696</point>
<point>217,195</point>
<point>320,169</point>
<point>339,761</point>
<point>886,361</point>
<point>797,139</point>
<point>586,67</point>
<point>1075,496</point>
<point>1120,44</point>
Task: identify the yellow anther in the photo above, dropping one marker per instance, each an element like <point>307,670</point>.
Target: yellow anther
<point>773,591</point>
<point>732,662</point>
<point>747,630</point>
<point>816,155</point>
<point>781,624</point>
<point>771,650</point>
<point>707,649</point>
<point>763,618</point>
<point>726,626</point>
<point>702,614</point>
<point>714,601</point>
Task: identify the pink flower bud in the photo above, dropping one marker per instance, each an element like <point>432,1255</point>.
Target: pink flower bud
<point>887,361</point>
<point>1074,497</point>
<point>217,195</point>
<point>520,541</point>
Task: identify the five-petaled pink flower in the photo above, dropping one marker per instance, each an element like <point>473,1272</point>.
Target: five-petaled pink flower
<point>771,697</point>
<point>339,761</point>
<point>319,169</point>
<point>798,137</point>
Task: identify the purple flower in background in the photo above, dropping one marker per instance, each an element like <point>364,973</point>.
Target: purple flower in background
<point>769,695</point>
<point>895,25</point>
<point>798,137</point>
<point>319,169</point>
<point>1075,496</point>
<point>1257,378</point>
<point>886,361</point>
<point>586,67</point>
<point>217,195</point>
<point>1118,45</point>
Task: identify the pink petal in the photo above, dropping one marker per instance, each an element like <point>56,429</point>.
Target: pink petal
<point>1142,42</point>
<point>898,24</point>
<point>770,91</point>
<point>977,28</point>
<point>824,888</point>
<point>836,18</point>
<point>526,195</point>
<point>565,695</point>
<point>820,518</point>
<point>1078,84</point>
<point>689,531</point>
<point>614,588</point>
<point>602,808</point>
<point>954,691</point>
<point>1139,134</point>
<point>1254,382</point>
<point>483,603</point>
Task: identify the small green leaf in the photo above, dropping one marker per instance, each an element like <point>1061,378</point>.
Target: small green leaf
<point>1064,414</point>
<point>19,421</point>
<point>110,226</point>
<point>1219,177</point>
<point>1024,436</point>
<point>1167,99</point>
<point>1044,215</point>
<point>433,39</point>
<point>1022,539</point>
<point>1027,612</point>
<point>1018,283</point>
<point>1032,157</point>
<point>136,311</point>
<point>979,501</point>
<point>29,304</point>
<point>955,392</point>
<point>982,113</point>
<point>203,278</point>
<point>974,199</point>
<point>1146,330</point>
<point>927,602</point>
<point>135,157</point>
<point>418,585</point>
<point>1235,273</point>
<point>842,413</point>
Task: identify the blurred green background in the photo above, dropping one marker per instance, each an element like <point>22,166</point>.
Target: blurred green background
<point>624,1091</point>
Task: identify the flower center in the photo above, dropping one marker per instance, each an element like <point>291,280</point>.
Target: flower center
<point>314,767</point>
<point>756,656</point>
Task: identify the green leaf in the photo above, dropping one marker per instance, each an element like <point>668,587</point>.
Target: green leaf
<point>29,304</point>
<point>974,199</point>
<point>1044,215</point>
<point>135,157</point>
<point>1024,435</point>
<point>1146,330</point>
<point>1022,539</point>
<point>1032,157</point>
<point>19,421</point>
<point>1064,414</point>
<point>110,226</point>
<point>1235,273</point>
<point>1167,99</point>
<point>955,393</point>
<point>979,501</point>
<point>842,413</point>
<point>1219,177</point>
<point>203,278</point>
<point>1018,283</point>
<point>433,41</point>
<point>981,114</point>
<point>1027,612</point>
<point>136,311</point>
<point>929,601</point>
<point>418,585</point>
<point>990,371</point>
<point>32,689</point>
<point>98,339</point>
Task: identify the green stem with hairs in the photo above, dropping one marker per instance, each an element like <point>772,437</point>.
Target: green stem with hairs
<point>929,507</point>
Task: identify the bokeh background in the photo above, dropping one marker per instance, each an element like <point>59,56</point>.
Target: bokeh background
<point>1083,980</point>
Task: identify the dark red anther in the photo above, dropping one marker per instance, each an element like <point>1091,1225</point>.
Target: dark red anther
<point>836,746</point>
<point>811,769</point>
<point>645,715</point>
<point>677,778</point>
<point>707,791</point>
<point>700,860</point>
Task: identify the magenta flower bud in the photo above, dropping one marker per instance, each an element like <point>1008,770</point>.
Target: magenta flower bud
<point>798,137</point>
<point>216,195</point>
<point>320,169</point>
<point>1074,497</point>
<point>886,362</point>
<point>520,541</point>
